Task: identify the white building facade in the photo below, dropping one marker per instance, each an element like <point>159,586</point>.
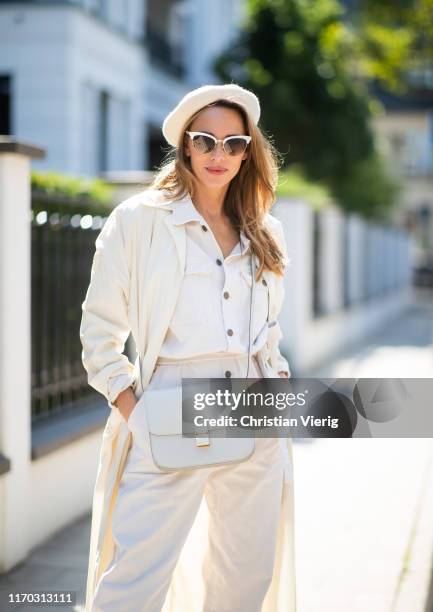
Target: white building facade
<point>405,136</point>
<point>92,80</point>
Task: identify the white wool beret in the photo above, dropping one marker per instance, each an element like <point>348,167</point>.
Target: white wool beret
<point>197,98</point>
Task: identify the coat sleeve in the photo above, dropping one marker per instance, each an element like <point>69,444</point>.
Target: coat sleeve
<point>277,361</point>
<point>104,326</point>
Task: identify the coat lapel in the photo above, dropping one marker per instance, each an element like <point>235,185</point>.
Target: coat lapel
<point>165,290</point>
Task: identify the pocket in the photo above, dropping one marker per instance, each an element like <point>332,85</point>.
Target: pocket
<point>135,418</point>
<point>192,311</point>
<point>260,306</point>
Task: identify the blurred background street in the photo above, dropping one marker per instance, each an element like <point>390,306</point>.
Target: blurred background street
<point>364,506</point>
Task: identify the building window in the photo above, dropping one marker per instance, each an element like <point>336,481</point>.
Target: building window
<point>166,33</point>
<point>417,155</point>
<point>98,7</point>
<point>103,131</point>
<point>5,105</point>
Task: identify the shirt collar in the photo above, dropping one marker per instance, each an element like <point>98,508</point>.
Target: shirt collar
<point>184,211</point>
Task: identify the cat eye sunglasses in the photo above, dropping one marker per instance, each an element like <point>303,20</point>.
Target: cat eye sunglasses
<point>206,143</point>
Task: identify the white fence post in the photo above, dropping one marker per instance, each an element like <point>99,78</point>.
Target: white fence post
<point>331,261</point>
<point>355,260</point>
<point>297,219</point>
<point>15,344</point>
<point>376,257</point>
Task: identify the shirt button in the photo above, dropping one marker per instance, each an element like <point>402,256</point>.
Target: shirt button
<point>226,294</point>
<point>230,332</point>
<point>219,262</point>
<point>264,282</point>
<point>228,373</point>
<point>204,228</point>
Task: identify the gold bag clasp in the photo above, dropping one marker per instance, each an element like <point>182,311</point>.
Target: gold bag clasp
<point>202,439</point>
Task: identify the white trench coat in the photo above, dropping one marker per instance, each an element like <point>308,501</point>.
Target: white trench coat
<point>134,284</point>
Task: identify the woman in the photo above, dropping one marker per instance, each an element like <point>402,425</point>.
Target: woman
<point>172,266</point>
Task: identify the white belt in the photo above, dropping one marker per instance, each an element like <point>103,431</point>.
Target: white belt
<point>205,357</point>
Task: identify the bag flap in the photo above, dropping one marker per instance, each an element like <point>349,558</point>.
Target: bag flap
<point>164,410</point>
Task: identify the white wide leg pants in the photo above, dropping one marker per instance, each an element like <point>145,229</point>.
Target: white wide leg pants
<point>155,511</point>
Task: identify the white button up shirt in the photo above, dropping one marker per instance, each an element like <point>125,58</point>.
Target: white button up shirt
<point>213,310</point>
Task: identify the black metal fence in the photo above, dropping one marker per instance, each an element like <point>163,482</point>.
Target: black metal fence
<point>62,246</point>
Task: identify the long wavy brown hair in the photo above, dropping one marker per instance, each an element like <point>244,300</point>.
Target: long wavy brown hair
<point>250,195</point>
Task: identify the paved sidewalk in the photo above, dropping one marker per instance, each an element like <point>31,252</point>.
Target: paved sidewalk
<point>364,508</point>
<point>49,568</point>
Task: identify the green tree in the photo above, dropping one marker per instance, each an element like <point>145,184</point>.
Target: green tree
<point>412,19</point>
<point>309,68</point>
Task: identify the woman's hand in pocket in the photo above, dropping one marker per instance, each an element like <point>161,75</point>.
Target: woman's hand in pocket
<point>125,403</point>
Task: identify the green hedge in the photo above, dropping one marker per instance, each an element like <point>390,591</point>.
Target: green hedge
<point>293,184</point>
<point>58,191</point>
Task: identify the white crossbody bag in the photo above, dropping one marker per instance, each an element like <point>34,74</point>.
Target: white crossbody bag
<point>171,450</point>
